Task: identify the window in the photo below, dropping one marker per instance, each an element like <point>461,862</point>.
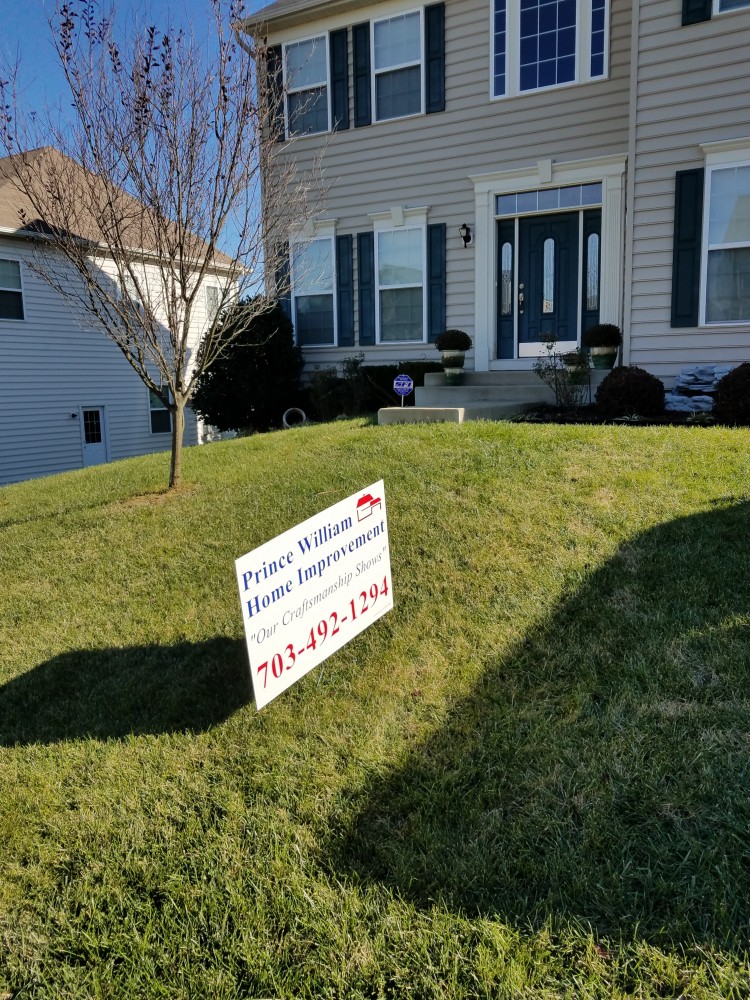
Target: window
<point>314,311</point>
<point>726,250</point>
<point>306,78</point>
<point>397,66</point>
<point>11,293</point>
<point>400,269</point>
<point>721,5</point>
<point>212,303</point>
<point>547,43</point>
<point>161,418</point>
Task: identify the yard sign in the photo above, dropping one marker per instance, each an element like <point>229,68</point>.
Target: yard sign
<point>307,592</point>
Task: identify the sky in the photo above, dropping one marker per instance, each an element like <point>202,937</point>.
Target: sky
<point>27,35</point>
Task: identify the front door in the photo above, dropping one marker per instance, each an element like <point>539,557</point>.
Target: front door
<point>94,435</point>
<point>542,290</point>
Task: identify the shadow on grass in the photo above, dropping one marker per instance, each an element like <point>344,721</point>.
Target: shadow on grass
<point>600,772</point>
<point>108,693</point>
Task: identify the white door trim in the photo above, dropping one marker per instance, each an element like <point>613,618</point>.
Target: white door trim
<point>610,171</point>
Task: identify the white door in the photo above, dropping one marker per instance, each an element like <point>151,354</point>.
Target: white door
<point>94,435</point>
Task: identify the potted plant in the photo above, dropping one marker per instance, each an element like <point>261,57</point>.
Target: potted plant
<point>603,341</point>
<point>453,345</point>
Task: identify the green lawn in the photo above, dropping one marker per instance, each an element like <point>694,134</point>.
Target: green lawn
<point>530,780</point>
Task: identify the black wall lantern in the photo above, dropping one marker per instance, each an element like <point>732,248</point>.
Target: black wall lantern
<point>464,232</point>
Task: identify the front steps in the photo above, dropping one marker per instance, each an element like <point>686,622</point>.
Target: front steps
<point>495,395</point>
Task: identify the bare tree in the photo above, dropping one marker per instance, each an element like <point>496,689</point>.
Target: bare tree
<point>130,198</point>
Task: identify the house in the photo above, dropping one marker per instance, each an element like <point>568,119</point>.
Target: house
<point>71,398</point>
<point>519,168</point>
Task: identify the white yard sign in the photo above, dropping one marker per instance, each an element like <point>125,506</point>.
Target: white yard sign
<point>307,592</point>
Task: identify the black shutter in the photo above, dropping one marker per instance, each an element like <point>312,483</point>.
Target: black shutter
<point>339,44</point>
<point>434,47</point>
<point>686,253</point>
<point>362,99</point>
<point>366,274</point>
<point>275,91</point>
<point>694,11</point>
<point>435,280</point>
<point>345,290</point>
<point>283,284</point>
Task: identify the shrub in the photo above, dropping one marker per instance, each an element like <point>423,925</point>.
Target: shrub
<point>565,374</point>
<point>732,396</point>
<point>453,340</point>
<point>630,390</point>
<point>602,335</point>
<point>257,376</point>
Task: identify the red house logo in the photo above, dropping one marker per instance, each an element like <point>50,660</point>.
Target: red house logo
<point>366,506</point>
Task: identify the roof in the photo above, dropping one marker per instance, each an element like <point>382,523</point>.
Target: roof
<point>287,13</point>
<point>76,181</point>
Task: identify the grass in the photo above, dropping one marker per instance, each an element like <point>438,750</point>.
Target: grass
<point>530,780</point>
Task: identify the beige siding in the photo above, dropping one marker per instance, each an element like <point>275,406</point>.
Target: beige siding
<point>50,366</point>
<point>427,160</point>
<point>693,88</point>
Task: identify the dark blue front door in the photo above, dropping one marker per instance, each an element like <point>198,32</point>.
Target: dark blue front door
<point>547,279</point>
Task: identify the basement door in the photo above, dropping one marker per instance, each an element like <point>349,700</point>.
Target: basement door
<point>543,289</point>
<point>94,435</point>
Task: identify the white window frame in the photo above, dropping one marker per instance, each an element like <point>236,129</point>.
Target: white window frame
<point>158,409</point>
<point>16,291</point>
<point>320,231</point>
<point>385,222</point>
<point>719,156</point>
<point>513,50</point>
<point>288,89</point>
<point>391,69</point>
<point>211,316</point>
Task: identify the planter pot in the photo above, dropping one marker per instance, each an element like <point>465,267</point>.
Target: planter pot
<point>453,359</point>
<point>603,357</point>
<point>454,376</point>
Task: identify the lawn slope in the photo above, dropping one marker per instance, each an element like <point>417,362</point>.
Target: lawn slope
<point>530,780</point>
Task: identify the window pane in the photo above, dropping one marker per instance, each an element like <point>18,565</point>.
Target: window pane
<point>729,209</point>
<point>306,63</point>
<point>733,4</point>
<point>548,302</point>
<point>598,22</point>
<point>92,427</point>
<point>728,286</point>
<point>308,111</point>
<point>400,257</point>
<point>592,272</point>
<point>312,268</point>
<point>506,204</point>
<point>399,93</point>
<point>591,194</point>
<point>161,422</point>
<point>314,315</point>
<point>547,43</point>
<point>212,302</point>
<point>401,314</point>
<point>500,46</point>
<point>506,280</point>
<point>11,305</point>
<point>10,274</point>
<point>397,41</point>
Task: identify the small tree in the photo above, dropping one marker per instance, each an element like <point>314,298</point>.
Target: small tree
<point>165,153</point>
<point>257,376</point>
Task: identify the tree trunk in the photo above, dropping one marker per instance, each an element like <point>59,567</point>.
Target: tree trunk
<point>178,432</point>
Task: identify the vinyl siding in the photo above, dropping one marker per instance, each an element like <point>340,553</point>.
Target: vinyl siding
<point>427,160</point>
<point>50,367</point>
<point>693,87</point>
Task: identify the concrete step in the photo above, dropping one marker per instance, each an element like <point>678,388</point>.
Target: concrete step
<point>499,378</point>
<point>449,414</point>
<point>467,394</point>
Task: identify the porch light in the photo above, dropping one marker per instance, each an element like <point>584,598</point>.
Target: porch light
<point>464,232</point>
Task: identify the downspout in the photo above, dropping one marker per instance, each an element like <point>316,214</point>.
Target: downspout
<point>635,31</point>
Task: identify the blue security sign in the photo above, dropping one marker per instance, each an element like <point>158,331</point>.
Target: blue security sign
<point>403,385</point>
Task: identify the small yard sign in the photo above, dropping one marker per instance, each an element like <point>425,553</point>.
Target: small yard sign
<point>307,592</point>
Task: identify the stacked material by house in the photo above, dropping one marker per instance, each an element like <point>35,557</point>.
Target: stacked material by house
<point>694,388</point>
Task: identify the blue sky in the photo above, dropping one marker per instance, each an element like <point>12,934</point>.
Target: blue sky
<point>27,34</point>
